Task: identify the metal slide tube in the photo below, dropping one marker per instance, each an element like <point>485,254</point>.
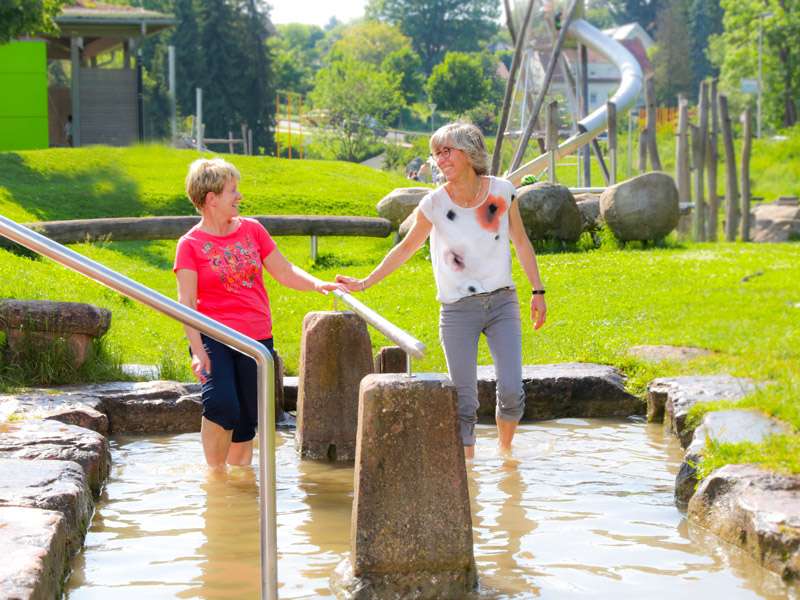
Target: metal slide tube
<point>179,312</point>
<point>411,345</point>
<point>593,125</point>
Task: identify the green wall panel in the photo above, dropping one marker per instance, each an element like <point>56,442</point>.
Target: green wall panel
<point>23,104</point>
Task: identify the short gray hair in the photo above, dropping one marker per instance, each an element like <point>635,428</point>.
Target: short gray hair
<point>469,139</point>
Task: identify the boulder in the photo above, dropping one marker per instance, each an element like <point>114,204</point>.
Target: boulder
<point>400,203</point>
<point>643,208</point>
<point>755,510</point>
<point>589,207</point>
<point>670,398</point>
<point>726,426</point>
<point>58,485</point>
<point>48,440</point>
<point>549,210</point>
<point>36,324</point>
<point>33,543</point>
<point>406,225</point>
<point>565,390</point>
<point>775,222</point>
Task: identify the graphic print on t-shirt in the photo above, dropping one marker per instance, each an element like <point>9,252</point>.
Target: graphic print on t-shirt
<point>236,265</point>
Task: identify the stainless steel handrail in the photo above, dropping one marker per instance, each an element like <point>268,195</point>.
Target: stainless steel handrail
<point>411,345</point>
<point>179,312</point>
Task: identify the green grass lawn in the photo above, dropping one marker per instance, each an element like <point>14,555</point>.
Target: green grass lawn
<point>600,301</point>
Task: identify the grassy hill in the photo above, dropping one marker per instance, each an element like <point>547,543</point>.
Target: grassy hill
<point>600,301</point>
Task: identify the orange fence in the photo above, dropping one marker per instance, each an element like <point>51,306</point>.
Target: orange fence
<point>666,117</point>
<point>293,102</point>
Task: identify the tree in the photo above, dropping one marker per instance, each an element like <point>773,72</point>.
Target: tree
<point>21,17</point>
<point>297,56</point>
<point>736,53</point>
<point>671,65</point>
<point>458,83</point>
<point>705,19</point>
<point>407,67</point>
<point>369,42</point>
<point>356,97</point>
<point>642,12</point>
<point>439,26</point>
<point>188,67</point>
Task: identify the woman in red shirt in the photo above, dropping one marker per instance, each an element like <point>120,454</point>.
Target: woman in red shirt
<point>219,264</point>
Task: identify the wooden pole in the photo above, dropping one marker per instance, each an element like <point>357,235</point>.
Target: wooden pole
<point>642,165</point>
<point>712,160</point>
<point>551,139</point>
<point>289,120</point>
<point>278,128</point>
<point>731,186</point>
<point>682,153</point>
<point>230,142</point>
<point>497,155</point>
<point>745,168</point>
<point>611,125</point>
<point>699,143</point>
<point>510,21</point>
<point>551,65</point>
<point>584,82</point>
<point>246,148</point>
<point>300,122</point>
<point>652,115</point>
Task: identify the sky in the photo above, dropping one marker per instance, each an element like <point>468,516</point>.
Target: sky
<point>315,12</point>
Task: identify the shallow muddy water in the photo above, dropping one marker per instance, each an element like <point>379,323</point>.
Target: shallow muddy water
<point>583,508</point>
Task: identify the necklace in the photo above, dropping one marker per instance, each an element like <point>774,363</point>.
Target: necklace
<point>475,199</point>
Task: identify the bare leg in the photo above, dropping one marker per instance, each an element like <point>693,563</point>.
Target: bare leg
<point>505,432</point>
<point>216,443</point>
<point>469,451</point>
<point>241,454</point>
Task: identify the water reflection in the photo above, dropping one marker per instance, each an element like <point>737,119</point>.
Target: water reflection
<point>581,508</point>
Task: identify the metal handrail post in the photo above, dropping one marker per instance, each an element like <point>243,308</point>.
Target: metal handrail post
<point>223,333</point>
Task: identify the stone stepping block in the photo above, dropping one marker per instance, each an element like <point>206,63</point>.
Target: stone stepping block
<point>726,426</point>
<point>73,409</point>
<point>33,543</point>
<point>58,485</point>
<point>661,352</point>
<point>50,440</point>
<point>670,398</point>
<point>147,406</point>
<point>754,510</point>
<point>570,390</point>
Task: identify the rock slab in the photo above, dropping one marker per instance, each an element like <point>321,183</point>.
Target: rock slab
<point>755,510</point>
<point>57,485</point>
<point>670,398</point>
<point>412,527</point>
<point>569,390</point>
<point>50,440</point>
<point>33,543</point>
<point>725,426</point>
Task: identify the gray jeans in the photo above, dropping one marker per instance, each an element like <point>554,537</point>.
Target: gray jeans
<point>461,323</point>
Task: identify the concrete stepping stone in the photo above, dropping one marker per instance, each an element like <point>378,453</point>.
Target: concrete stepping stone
<point>58,485</point>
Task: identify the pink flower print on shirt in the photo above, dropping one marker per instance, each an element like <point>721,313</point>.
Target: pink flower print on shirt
<point>236,265</point>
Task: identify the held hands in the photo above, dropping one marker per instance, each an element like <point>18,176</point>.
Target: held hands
<point>352,284</point>
<point>538,310</point>
<point>324,287</point>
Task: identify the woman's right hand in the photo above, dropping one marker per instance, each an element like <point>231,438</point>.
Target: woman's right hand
<point>351,283</point>
<point>201,365</point>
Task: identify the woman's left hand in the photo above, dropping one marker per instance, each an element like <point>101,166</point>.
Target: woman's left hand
<point>324,287</point>
<point>538,310</point>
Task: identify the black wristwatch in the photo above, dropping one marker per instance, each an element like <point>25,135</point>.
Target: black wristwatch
<point>534,292</point>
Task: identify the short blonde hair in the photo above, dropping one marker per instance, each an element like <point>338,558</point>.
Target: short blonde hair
<point>208,175</point>
<point>469,139</point>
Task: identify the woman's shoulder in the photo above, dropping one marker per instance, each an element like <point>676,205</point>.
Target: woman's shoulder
<point>505,185</point>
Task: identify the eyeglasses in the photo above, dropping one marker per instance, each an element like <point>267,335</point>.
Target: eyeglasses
<point>443,153</point>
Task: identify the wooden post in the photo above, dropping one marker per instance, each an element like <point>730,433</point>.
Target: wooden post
<point>278,126</point>
<point>289,120</point>
<point>745,167</point>
<point>652,126</point>
<point>699,143</point>
<point>584,81</point>
<point>682,175</point>
<point>611,125</point>
<point>250,141</point>
<point>731,186</point>
<point>245,147</point>
<point>642,166</point>
<point>712,160</point>
<point>551,139</point>
<point>230,142</point>
<point>300,122</point>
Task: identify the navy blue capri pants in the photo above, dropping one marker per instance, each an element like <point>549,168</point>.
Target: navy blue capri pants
<point>230,393</point>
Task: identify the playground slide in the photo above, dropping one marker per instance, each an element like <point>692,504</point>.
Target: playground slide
<point>593,125</point>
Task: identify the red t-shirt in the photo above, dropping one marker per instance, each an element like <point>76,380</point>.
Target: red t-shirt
<point>230,283</point>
